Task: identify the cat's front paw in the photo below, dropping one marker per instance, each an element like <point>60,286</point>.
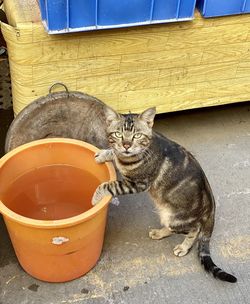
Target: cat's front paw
<point>99,157</point>
<point>99,194</point>
<point>104,155</point>
<point>96,197</point>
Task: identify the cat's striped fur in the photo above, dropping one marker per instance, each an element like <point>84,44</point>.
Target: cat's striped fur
<point>174,179</point>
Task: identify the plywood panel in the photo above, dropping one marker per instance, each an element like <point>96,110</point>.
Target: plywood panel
<point>74,69</point>
<point>158,60</point>
<point>186,96</point>
<point>116,83</point>
<point>209,37</point>
<point>197,74</point>
<point>170,97</point>
<point>243,69</point>
<point>231,52</point>
<point>172,66</point>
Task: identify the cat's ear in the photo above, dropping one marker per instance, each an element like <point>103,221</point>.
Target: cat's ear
<point>111,115</point>
<point>148,116</point>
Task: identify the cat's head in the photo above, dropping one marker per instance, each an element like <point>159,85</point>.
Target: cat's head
<point>129,134</point>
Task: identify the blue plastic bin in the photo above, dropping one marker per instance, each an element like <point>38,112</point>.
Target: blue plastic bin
<point>216,8</point>
<point>61,16</point>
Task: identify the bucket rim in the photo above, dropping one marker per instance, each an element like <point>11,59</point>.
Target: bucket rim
<point>71,221</point>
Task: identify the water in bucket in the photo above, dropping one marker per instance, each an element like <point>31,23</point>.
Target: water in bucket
<point>51,192</point>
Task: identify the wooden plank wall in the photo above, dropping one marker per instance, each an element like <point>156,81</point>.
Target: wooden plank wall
<point>173,66</point>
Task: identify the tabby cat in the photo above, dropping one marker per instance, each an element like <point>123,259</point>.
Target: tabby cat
<point>178,186</point>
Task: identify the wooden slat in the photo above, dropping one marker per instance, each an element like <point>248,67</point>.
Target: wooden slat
<point>197,74</point>
<point>21,54</point>
<point>233,19</point>
<point>59,50</point>
<point>158,60</point>
<point>21,74</point>
<point>74,69</point>
<point>186,96</point>
<point>40,52</point>
<point>228,52</point>
<point>157,78</point>
<point>170,97</point>
<point>223,88</point>
<point>243,69</point>
<point>175,40</point>
<point>19,35</point>
<point>116,83</point>
<point>124,44</point>
<point>208,37</point>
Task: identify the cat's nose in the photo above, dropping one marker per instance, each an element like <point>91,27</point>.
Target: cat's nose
<point>126,145</point>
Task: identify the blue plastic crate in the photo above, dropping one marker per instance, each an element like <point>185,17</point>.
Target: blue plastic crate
<point>216,8</point>
<point>62,16</point>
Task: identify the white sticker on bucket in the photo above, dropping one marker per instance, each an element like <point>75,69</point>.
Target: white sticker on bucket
<point>59,240</point>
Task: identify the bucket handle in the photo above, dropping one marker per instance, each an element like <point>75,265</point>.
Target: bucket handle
<point>61,84</point>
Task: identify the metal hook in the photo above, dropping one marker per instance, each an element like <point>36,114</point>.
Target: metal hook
<point>59,83</point>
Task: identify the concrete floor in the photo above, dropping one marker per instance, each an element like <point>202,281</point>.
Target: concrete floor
<point>136,269</point>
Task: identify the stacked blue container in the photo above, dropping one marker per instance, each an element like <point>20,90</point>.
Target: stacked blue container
<point>215,8</point>
<point>61,16</point>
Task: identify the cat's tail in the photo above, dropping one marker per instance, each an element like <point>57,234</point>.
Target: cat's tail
<point>207,262</point>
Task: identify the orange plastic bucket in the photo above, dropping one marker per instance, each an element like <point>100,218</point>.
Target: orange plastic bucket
<point>45,199</point>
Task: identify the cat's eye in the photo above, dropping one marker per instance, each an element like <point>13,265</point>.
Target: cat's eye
<point>137,135</point>
<point>118,134</point>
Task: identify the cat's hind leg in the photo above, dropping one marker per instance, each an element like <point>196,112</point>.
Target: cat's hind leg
<point>165,216</point>
<point>183,248</point>
<point>158,234</point>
